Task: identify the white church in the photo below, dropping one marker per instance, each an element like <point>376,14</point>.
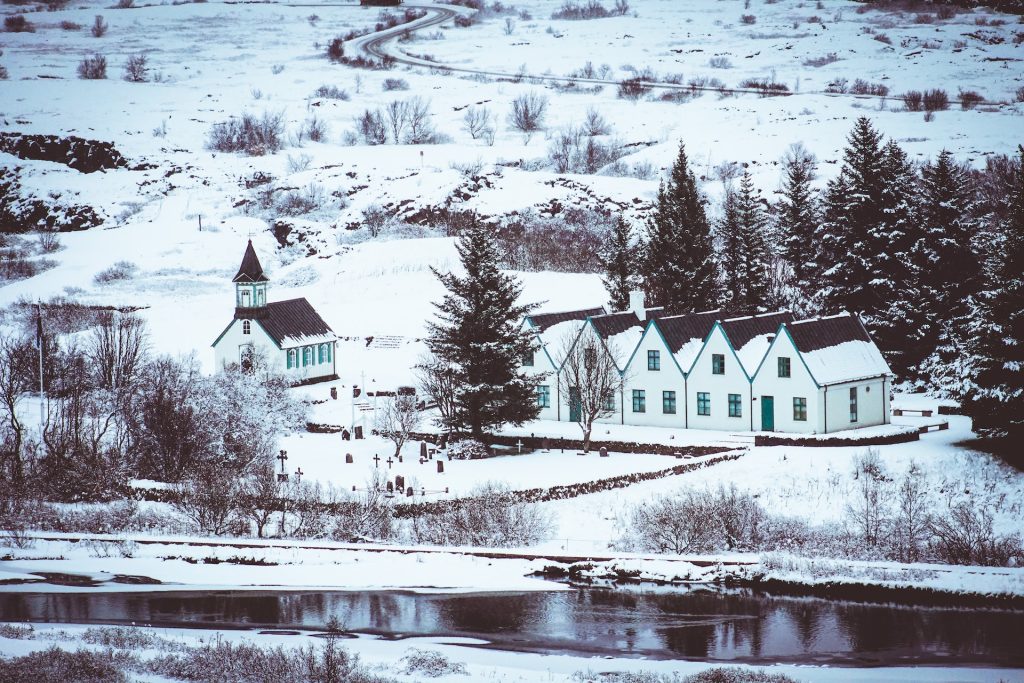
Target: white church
<point>711,370</point>
<point>290,336</point>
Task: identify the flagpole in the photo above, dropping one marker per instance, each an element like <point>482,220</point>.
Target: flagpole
<point>39,343</point>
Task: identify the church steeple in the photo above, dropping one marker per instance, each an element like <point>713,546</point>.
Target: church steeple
<point>250,286</point>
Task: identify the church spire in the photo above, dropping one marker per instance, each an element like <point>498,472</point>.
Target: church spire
<point>250,270</point>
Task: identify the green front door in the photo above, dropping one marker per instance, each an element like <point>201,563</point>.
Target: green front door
<point>768,413</point>
<point>575,405</point>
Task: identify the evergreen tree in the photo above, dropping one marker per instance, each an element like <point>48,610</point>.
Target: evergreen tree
<point>479,337</point>
<point>619,261</point>
<point>853,209</point>
<point>680,271</point>
<point>755,271</point>
<point>797,220</point>
<point>994,392</point>
<point>730,249</point>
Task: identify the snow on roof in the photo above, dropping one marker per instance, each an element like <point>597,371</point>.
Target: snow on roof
<point>295,323</point>
<point>542,321</point>
<point>554,338</point>
<point>751,336</point>
<point>685,334</point>
<point>837,349</point>
<point>622,344</point>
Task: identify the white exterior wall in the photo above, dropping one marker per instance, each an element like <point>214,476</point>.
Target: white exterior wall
<point>653,383</point>
<point>799,384</point>
<point>872,404</point>
<point>734,381</point>
<point>228,350</point>
<point>229,347</point>
<point>542,364</point>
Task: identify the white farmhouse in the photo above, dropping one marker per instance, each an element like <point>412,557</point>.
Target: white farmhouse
<point>822,375</point>
<point>554,333</point>
<point>290,336</point>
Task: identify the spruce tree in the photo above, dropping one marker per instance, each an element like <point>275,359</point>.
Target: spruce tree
<point>680,271</point>
<point>619,262</point>
<point>994,391</point>
<point>756,264</point>
<point>731,250</point>
<point>479,336</point>
<point>797,221</point>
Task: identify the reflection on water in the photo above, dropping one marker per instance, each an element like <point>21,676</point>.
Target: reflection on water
<point>697,624</point>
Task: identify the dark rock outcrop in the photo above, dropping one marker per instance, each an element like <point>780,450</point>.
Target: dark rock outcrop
<point>86,156</point>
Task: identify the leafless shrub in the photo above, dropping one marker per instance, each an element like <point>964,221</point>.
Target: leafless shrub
<point>510,26</point>
<point>122,270</point>
<point>376,219</point>
<point>299,202</point>
<point>825,60</point>
<point>1018,95</point>
<point>299,163</point>
<point>470,169</point>
<point>912,100</point>
<point>331,92</point>
<point>18,23</point>
<point>633,88</point>
<point>391,84</point>
<point>396,419</point>
<point>720,63</point>
<point>969,99</point>
<point>621,7</point>
<point>882,38</point>
<point>935,100</point>
<point>124,4</point>
<point>99,27</point>
<point>924,18</point>
<point>767,86</point>
<point>276,69</point>
<point>839,85</point>
<point>70,26</point>
<point>371,128</point>
<point>430,663</point>
<point>249,134</point>
<point>592,9</point>
<point>528,112</point>
<point>748,19</point>
<point>595,124</point>
<point>136,69</point>
<point>336,49</point>
<point>573,151</point>
<point>4,75</point>
<point>49,242</point>
<point>490,516</point>
<point>313,129</point>
<point>862,87</point>
<point>676,523</point>
<point>93,68</point>
<point>964,534</point>
<point>117,348</point>
<point>869,510</point>
<point>531,242</point>
<point>477,120</point>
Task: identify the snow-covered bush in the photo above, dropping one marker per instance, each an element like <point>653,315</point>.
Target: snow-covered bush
<point>467,449</point>
<point>93,68</point>
<point>964,534</point>
<point>99,27</point>
<point>592,9</point>
<point>18,23</point>
<point>249,134</point>
<point>391,84</point>
<point>430,663</point>
<point>122,270</point>
<point>136,69</point>
<point>331,92</point>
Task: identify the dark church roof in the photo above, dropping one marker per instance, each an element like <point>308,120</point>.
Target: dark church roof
<point>295,322</point>
<point>250,270</point>
<point>741,330</point>
<point>822,333</point>
<point>680,329</point>
<point>545,320</point>
<point>614,323</point>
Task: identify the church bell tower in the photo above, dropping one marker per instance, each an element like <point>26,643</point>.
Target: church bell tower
<point>250,287</point>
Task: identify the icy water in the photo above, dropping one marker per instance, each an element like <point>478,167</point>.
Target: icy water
<point>695,624</point>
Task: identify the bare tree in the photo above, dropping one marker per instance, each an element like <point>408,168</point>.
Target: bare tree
<point>595,124</point>
<point>418,116</point>
<point>208,499</point>
<point>16,378</point>
<point>678,523</point>
<point>527,113</point>
<point>510,26</point>
<point>397,112</point>
<point>621,7</point>
<point>396,419</point>
<point>869,510</point>
<point>589,380</point>
<point>912,518</point>
<point>136,69</point>
<point>117,349</point>
<point>260,496</point>
<point>371,127</point>
<point>437,381</point>
<point>368,515</point>
<point>476,121</point>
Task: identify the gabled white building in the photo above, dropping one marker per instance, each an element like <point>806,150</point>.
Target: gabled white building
<point>822,375</point>
<point>290,336</point>
<point>553,334</point>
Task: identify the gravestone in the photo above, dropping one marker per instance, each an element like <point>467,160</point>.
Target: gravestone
<point>348,459</point>
<point>399,481</point>
<point>345,435</point>
<point>391,487</point>
<point>545,444</point>
<point>334,393</point>
<point>604,452</point>
<point>359,431</point>
<point>400,459</point>
<point>408,492</point>
<point>443,442</point>
<point>423,450</point>
<point>440,466</point>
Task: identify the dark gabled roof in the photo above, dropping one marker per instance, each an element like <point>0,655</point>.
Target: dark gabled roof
<point>741,330</point>
<point>822,333</point>
<point>545,320</point>
<point>293,320</point>
<point>250,270</point>
<point>614,323</point>
<point>680,329</point>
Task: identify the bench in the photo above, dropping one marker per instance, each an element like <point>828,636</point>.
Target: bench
<point>899,412</point>
<point>933,428</point>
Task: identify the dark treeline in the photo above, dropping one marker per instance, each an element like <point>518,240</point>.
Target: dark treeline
<point>929,255</point>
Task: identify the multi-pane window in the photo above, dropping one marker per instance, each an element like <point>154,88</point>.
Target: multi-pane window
<point>735,405</point>
<point>668,402</point>
<point>307,356</point>
<point>853,404</point>
<point>784,368</point>
<point>800,409</point>
<point>654,360</point>
<point>717,364</point>
<point>246,327</point>
<point>639,401</point>
<point>528,358</point>
<point>292,359</point>
<point>609,400</point>
<point>322,354</point>
<point>544,396</point>
<point>703,403</point>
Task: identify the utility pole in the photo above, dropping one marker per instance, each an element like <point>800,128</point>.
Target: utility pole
<point>39,344</point>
